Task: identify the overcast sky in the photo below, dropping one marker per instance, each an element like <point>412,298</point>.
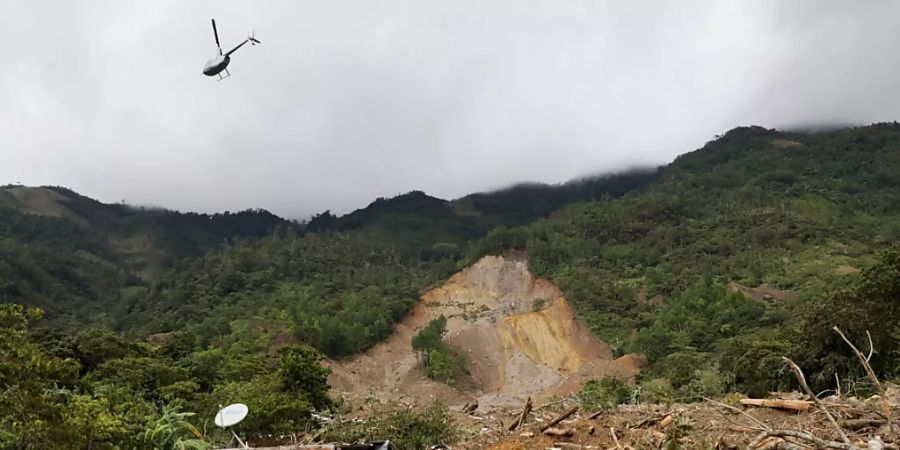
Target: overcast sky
<point>346,101</point>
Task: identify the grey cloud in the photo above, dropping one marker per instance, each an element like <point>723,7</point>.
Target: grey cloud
<point>349,100</point>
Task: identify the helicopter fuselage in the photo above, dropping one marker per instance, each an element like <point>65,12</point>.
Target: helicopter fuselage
<point>216,65</point>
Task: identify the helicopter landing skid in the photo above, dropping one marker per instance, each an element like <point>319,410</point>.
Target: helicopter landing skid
<point>227,74</point>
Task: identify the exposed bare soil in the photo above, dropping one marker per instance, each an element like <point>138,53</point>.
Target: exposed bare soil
<point>847,270</point>
<point>764,293</point>
<point>785,143</point>
<point>44,202</point>
<point>518,334</point>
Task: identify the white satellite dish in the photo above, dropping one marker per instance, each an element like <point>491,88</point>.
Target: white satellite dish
<point>231,415</point>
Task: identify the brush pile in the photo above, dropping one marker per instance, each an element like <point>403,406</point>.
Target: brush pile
<point>793,421</point>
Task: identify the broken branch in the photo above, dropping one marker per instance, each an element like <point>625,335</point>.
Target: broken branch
<point>822,443</point>
<point>793,405</point>
<point>560,418</point>
<point>802,379</point>
<point>612,432</point>
<point>862,359</point>
<point>522,417</point>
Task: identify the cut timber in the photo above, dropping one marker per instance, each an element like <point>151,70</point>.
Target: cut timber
<point>792,405</point>
<point>666,421</point>
<point>560,418</point>
<point>524,416</point>
<point>559,432</point>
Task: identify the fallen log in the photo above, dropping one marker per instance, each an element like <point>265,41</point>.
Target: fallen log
<point>792,405</point>
<point>559,432</point>
<point>560,418</point>
<point>645,422</point>
<point>572,446</point>
<point>859,424</point>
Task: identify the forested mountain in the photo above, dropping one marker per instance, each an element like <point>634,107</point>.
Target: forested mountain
<point>672,271</point>
<point>432,228</point>
<point>415,223</point>
<point>779,215</point>
<point>77,257</point>
<point>527,202</point>
<point>714,267</point>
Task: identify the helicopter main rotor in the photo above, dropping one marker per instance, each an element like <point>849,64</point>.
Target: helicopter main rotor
<point>219,64</point>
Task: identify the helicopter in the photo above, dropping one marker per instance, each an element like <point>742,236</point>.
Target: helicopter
<point>219,63</point>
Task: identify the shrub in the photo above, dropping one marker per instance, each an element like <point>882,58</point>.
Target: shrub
<point>407,429</point>
<point>707,382</point>
<point>658,390</point>
<point>431,336</point>
<point>272,410</point>
<point>171,430</point>
<point>607,393</point>
<point>445,365</point>
<point>301,374</point>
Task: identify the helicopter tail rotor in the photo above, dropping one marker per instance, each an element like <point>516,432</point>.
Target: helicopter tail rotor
<point>252,38</point>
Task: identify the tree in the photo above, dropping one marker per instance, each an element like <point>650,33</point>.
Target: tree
<point>871,304</point>
<point>91,423</point>
<point>95,346</point>
<point>301,373</point>
<point>28,417</point>
<point>144,375</point>
<point>429,338</point>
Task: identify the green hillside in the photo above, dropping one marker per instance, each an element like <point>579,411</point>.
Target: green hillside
<point>714,266</point>
<point>744,232</point>
<point>78,258</point>
<point>756,207</point>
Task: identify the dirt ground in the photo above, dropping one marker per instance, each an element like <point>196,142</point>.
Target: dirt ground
<point>704,425</point>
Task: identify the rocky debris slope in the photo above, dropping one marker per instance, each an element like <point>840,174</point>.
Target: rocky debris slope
<point>518,334</point>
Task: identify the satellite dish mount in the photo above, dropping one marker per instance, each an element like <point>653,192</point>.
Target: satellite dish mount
<point>231,415</point>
